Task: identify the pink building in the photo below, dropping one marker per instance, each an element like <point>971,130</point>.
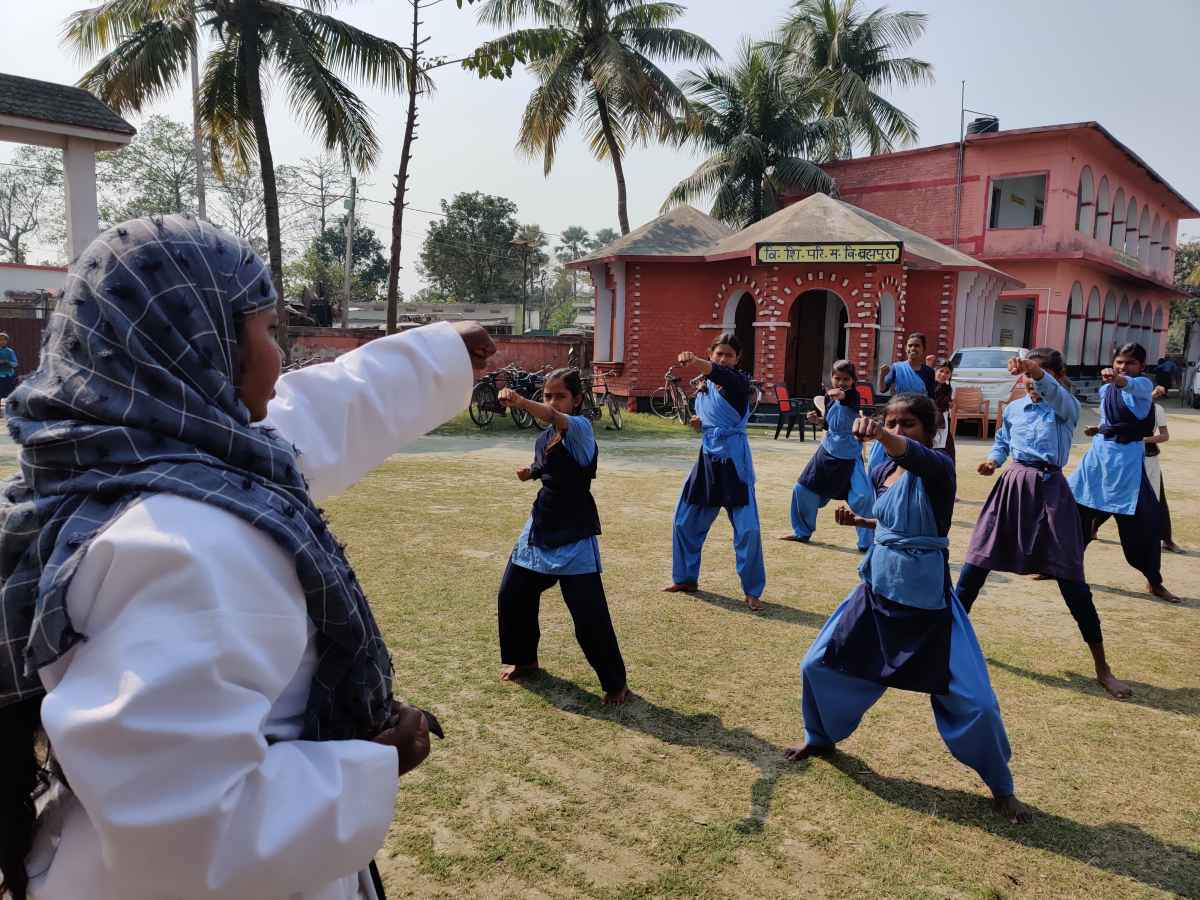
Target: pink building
<point>1069,210</point>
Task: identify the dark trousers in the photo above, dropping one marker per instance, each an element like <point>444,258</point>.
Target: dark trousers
<point>1140,533</point>
<point>1166,511</point>
<point>520,598</point>
<point>1077,595</point>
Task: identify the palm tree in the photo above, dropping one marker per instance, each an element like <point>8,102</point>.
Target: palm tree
<point>300,45</point>
<point>92,31</point>
<point>762,125</point>
<point>594,60</point>
<point>573,243</point>
<point>858,50</point>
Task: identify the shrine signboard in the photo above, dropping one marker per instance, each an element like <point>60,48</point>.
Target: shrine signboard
<point>829,252</point>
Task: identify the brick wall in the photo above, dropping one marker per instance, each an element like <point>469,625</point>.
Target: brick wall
<point>538,351</point>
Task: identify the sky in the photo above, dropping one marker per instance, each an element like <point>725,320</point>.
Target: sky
<point>1132,67</point>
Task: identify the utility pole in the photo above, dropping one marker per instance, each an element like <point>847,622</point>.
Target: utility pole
<point>524,247</point>
<point>349,250</point>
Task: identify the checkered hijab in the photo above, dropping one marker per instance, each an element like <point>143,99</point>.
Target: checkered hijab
<point>135,395</point>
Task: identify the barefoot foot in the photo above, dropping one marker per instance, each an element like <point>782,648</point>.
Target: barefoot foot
<point>1012,809</point>
<point>794,539</point>
<point>517,673</point>
<point>684,588</point>
<point>754,603</point>
<point>1172,547</point>
<point>804,751</point>
<point>1116,688</point>
<point>1161,592</point>
<point>616,698</point>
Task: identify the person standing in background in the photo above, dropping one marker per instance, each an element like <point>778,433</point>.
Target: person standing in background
<point>8,367</point>
<point>1153,467</point>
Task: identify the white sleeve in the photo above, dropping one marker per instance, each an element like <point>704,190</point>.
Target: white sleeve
<point>349,415</point>
<point>1160,416</point>
<point>193,630</point>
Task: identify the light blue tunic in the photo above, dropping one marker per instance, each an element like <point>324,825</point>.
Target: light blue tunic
<point>581,557</point>
<point>1109,477</point>
<point>905,379</point>
<point>839,442</point>
<point>1038,432</point>
<point>723,432</point>
<point>907,562</point>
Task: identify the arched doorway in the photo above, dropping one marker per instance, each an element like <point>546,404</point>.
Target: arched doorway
<point>816,337</point>
<point>743,327</point>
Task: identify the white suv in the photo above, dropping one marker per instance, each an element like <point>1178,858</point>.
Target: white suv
<point>986,368</point>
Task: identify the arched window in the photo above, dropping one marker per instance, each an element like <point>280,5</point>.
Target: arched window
<point>1159,335</point>
<point>1103,211</point>
<point>1108,334</point>
<point>1154,261</point>
<point>1149,338</point>
<point>1085,204</point>
<point>1135,325</point>
<point>1091,331</point>
<point>885,334</point>
<point>1122,333</point>
<point>1116,237</point>
<point>1073,340</point>
<point>1168,253</point>
<point>1143,244</point>
<point>1131,227</point>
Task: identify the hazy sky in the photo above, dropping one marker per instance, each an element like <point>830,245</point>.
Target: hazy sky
<point>1132,67</point>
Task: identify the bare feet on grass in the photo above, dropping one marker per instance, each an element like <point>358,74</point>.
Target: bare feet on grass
<point>1117,689</point>
<point>794,538</point>
<point>1012,809</point>
<point>1160,591</point>
<point>755,604</point>
<point>1172,547</point>
<point>519,673</point>
<point>616,698</point>
<point>804,751</point>
<point>684,588</point>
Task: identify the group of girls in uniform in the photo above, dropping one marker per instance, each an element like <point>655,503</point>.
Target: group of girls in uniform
<point>183,630</point>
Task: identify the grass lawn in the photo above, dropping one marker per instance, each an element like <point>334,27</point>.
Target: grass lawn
<point>540,791</point>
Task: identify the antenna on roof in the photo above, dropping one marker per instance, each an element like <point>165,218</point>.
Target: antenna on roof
<point>987,122</point>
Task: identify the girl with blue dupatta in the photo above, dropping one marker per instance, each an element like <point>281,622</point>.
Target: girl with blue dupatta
<point>723,476</point>
<point>912,375</point>
<point>835,471</point>
<point>902,626</point>
<point>1111,478</point>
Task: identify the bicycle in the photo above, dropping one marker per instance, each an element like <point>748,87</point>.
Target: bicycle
<point>756,395</point>
<point>593,408</point>
<point>670,401</point>
<point>529,385</point>
<point>485,400</point>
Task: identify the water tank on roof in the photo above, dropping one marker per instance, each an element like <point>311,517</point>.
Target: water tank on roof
<point>983,125</point>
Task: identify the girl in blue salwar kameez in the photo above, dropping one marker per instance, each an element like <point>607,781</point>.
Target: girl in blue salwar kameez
<point>1111,477</point>
<point>835,471</point>
<point>723,476</point>
<point>902,626</point>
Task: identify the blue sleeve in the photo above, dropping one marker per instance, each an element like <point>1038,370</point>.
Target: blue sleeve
<point>1064,404</point>
<point>10,356</point>
<point>926,375</point>
<point>1001,446</point>
<point>580,440</point>
<point>890,378</point>
<point>840,417</point>
<point>1136,395</point>
<point>938,476</point>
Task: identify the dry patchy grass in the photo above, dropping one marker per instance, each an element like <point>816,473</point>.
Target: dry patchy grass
<point>540,791</point>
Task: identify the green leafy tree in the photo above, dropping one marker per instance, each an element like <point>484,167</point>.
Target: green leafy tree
<point>594,61</point>
<point>298,46</point>
<point>762,125</point>
<point>603,238</point>
<point>1185,312</point>
<point>31,207</point>
<point>572,244</point>
<point>368,272</point>
<point>559,311</point>
<point>154,175</point>
<point>469,255</point>
<point>858,49</point>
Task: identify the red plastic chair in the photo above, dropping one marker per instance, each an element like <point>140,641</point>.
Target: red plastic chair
<point>788,413</point>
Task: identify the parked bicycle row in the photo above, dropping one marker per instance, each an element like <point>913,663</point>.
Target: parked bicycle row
<point>485,397</point>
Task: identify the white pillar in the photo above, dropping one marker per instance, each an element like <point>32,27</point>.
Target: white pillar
<point>83,218</point>
<point>618,333</point>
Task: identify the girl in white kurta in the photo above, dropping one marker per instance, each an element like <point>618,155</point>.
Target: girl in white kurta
<point>213,737</point>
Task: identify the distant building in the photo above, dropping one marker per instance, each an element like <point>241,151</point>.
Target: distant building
<point>1069,210</point>
<point>498,318</point>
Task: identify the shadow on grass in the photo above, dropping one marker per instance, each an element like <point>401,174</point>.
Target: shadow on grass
<point>1117,847</point>
<point>702,730</point>
<point>1141,595</point>
<point>773,611</point>
<point>1184,700</point>
<point>852,551</point>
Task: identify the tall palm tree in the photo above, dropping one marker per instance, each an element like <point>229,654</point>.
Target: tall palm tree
<point>594,60</point>
<point>858,49</point>
<point>92,31</point>
<point>298,44</point>
<point>762,125</point>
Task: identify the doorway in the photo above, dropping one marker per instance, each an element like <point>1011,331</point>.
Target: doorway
<point>743,327</point>
<point>816,337</point>
<point>1013,323</point>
